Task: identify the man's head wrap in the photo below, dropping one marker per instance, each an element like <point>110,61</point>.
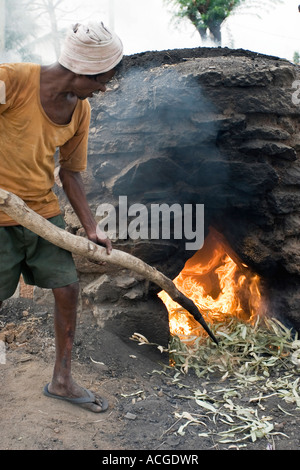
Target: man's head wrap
<point>91,49</point>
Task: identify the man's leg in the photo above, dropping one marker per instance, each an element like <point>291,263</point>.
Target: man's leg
<point>62,383</point>
<point>64,324</point>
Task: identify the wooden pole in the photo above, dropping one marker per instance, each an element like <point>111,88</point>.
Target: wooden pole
<point>23,215</point>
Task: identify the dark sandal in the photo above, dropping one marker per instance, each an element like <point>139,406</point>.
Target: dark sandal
<point>79,401</point>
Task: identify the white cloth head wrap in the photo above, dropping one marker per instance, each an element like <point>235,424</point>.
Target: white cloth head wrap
<point>91,49</point>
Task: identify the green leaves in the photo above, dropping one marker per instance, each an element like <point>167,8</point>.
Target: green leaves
<point>206,14</point>
<point>243,349</point>
<point>254,367</point>
<point>210,14</point>
<point>261,357</point>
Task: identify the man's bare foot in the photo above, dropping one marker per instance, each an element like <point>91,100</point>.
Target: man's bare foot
<point>78,396</point>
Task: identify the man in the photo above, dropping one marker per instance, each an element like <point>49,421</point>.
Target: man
<point>46,108</point>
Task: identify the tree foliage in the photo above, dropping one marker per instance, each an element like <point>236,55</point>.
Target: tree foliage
<point>48,12</point>
<point>32,25</point>
<point>208,15</point>
<point>20,29</point>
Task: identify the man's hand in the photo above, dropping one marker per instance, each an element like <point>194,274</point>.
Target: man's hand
<point>103,239</point>
<point>100,238</point>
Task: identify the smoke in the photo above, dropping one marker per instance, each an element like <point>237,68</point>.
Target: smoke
<point>168,128</point>
<point>155,136</point>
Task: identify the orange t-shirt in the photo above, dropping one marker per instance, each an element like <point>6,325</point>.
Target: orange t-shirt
<point>29,139</point>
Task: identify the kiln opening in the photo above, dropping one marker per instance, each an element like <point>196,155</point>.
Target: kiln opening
<point>219,283</point>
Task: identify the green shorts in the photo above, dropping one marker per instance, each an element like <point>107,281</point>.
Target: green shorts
<point>41,263</point>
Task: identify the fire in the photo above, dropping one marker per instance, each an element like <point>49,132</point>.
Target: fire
<point>218,283</point>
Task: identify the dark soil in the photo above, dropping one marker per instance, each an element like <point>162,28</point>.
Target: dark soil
<point>146,397</point>
<point>151,59</point>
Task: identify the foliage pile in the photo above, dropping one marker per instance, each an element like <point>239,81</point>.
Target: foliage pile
<point>261,359</point>
<point>253,363</point>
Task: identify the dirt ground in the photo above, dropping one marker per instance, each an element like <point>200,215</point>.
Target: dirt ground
<point>146,398</point>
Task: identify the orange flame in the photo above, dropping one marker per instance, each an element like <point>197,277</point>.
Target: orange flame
<point>219,285</point>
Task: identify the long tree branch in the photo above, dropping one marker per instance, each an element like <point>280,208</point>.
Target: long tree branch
<point>23,215</point>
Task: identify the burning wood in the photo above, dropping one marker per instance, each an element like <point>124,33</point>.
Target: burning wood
<point>219,285</point>
<point>22,214</point>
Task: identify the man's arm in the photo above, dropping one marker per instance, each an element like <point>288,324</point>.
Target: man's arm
<point>74,189</point>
